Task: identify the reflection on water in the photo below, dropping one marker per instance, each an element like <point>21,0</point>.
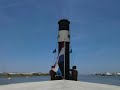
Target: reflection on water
<point>113,80</point>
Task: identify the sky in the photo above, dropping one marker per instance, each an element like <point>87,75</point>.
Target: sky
<point>29,28</point>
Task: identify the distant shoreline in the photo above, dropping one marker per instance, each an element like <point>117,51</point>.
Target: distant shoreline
<point>6,75</point>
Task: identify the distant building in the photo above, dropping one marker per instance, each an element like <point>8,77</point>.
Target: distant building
<point>108,74</point>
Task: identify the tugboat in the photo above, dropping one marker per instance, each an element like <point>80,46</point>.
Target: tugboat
<point>62,75</point>
<point>61,69</point>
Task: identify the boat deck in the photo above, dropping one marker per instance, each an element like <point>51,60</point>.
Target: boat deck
<point>59,85</point>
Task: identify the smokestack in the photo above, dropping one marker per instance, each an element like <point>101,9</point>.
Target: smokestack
<point>64,40</point>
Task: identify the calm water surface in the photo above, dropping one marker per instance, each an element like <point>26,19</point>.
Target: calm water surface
<point>112,80</point>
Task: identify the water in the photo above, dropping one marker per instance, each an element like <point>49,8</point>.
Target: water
<point>112,80</point>
<point>4,81</point>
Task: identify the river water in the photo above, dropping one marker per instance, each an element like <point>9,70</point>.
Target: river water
<point>112,80</point>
